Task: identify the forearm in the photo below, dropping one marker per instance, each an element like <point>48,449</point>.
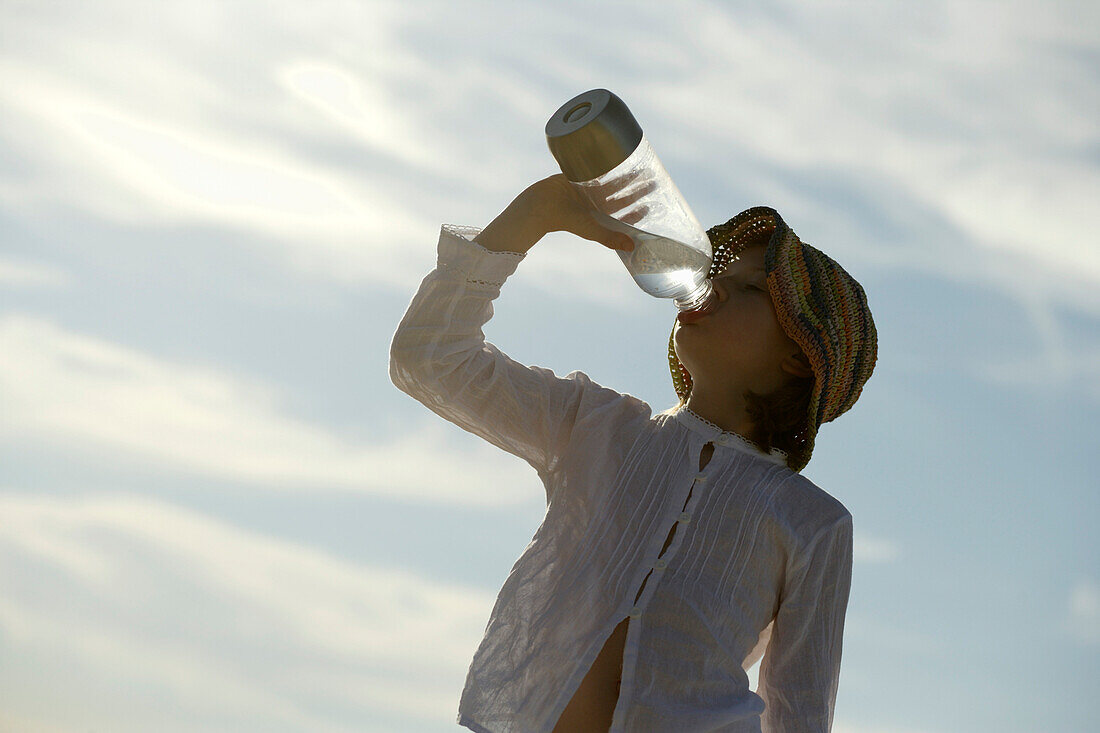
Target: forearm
<point>516,229</point>
<point>442,327</point>
<point>439,356</point>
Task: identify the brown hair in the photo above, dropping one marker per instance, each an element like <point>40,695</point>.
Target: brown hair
<point>779,419</point>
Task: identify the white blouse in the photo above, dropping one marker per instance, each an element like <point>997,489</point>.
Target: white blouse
<point>761,563</point>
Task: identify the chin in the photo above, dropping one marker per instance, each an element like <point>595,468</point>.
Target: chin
<point>687,339</point>
<point>682,353</point>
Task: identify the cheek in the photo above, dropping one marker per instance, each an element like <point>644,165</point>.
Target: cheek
<point>779,335</point>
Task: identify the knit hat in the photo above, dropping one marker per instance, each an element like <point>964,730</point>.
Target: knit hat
<point>819,305</point>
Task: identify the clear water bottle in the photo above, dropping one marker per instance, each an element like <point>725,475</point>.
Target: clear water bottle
<point>601,149</point>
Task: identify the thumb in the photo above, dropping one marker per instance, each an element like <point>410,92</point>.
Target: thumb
<point>617,240</point>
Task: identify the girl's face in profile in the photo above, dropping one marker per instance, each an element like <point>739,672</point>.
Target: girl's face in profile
<point>740,345</point>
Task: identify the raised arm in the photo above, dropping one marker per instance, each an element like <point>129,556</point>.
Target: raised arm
<point>439,354</point>
<point>800,672</point>
<point>549,205</point>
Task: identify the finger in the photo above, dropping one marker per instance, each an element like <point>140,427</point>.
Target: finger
<point>635,216</point>
<point>628,197</point>
<point>608,230</point>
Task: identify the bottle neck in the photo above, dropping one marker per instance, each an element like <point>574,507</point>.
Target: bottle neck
<point>697,299</point>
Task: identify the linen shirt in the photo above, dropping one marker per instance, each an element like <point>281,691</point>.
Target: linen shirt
<point>760,563</point>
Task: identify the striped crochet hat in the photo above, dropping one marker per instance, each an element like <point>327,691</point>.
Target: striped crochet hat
<point>819,305</point>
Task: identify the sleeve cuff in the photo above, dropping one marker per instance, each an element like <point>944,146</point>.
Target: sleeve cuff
<point>460,253</point>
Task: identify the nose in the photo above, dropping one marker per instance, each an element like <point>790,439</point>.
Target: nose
<point>721,293</point>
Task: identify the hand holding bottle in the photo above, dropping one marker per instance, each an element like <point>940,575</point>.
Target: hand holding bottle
<point>552,204</point>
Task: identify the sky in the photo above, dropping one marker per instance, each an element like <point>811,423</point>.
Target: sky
<point>216,511</point>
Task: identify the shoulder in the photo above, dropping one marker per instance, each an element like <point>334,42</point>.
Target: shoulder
<point>599,394</point>
<point>597,408</point>
<point>603,423</point>
<point>821,499</point>
<point>807,509</point>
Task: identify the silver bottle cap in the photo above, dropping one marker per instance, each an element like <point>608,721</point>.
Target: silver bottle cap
<point>591,134</point>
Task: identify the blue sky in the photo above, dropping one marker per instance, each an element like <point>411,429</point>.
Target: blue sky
<point>216,512</point>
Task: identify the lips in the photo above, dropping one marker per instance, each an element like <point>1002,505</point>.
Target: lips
<point>686,317</point>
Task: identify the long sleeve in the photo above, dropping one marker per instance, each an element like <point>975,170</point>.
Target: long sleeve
<point>800,672</point>
<point>439,356</point>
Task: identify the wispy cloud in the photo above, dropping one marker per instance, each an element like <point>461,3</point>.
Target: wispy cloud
<point>1083,617</point>
<point>873,549</point>
<point>69,390</point>
<point>961,125</point>
<point>217,626</point>
<point>840,726</point>
<point>138,167</point>
<point>1057,371</point>
<point>10,722</point>
<point>365,110</point>
<point>1061,362</point>
<point>902,642</point>
<point>29,275</point>
<point>316,147</point>
<point>346,152</point>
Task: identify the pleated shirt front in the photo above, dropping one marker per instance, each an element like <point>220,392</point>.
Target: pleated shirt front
<point>760,563</point>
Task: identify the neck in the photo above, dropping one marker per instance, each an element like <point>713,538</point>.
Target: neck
<point>730,414</point>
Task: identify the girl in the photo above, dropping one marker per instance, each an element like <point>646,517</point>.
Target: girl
<point>677,548</point>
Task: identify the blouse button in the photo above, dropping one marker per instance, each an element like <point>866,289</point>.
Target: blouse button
<point>685,517</point>
<point>701,477</point>
<point>635,612</point>
<point>661,564</point>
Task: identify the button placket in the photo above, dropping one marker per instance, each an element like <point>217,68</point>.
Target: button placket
<point>685,516</point>
<point>662,562</point>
